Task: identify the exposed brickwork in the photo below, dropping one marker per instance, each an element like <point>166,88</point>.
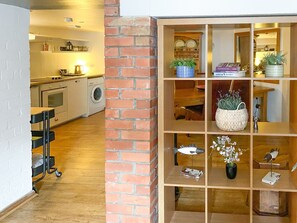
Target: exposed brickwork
<point>131,117</point>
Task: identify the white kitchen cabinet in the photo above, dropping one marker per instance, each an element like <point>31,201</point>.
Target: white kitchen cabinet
<point>77,97</point>
<point>35,100</point>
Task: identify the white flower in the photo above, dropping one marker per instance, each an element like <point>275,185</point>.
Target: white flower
<point>227,149</point>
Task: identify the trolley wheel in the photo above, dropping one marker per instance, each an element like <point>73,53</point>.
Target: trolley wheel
<point>35,189</point>
<point>58,173</point>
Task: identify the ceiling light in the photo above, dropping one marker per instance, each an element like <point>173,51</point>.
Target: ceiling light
<point>68,19</point>
<point>31,36</point>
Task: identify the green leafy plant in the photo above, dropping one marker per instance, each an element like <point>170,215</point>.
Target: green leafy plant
<point>274,58</point>
<point>229,100</point>
<point>188,62</point>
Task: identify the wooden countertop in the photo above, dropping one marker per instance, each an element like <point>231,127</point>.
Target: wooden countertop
<point>48,80</point>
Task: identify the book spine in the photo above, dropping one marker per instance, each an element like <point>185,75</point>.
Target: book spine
<point>227,68</point>
<point>228,74</point>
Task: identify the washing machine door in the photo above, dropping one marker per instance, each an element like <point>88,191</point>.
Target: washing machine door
<point>97,94</point>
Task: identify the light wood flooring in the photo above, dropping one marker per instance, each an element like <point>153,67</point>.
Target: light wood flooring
<point>78,195</point>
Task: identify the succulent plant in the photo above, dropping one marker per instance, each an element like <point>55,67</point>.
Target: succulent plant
<point>188,62</point>
<point>229,100</point>
<point>274,58</point>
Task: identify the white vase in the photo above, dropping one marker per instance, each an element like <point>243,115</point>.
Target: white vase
<point>274,70</point>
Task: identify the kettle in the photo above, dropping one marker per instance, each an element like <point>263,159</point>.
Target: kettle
<point>78,69</point>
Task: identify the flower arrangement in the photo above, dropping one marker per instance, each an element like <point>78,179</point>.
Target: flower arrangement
<point>230,100</point>
<point>226,148</point>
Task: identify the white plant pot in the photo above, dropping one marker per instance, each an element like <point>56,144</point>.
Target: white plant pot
<point>274,70</point>
<point>232,120</point>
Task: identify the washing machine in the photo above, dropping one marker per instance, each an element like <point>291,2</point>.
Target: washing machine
<point>96,95</point>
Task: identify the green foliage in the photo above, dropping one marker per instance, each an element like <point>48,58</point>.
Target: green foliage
<point>190,62</point>
<point>274,58</point>
<point>229,101</point>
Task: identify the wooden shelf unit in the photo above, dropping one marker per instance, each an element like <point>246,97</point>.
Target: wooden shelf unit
<point>249,179</point>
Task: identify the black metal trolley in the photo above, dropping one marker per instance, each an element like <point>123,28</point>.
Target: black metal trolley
<point>43,138</point>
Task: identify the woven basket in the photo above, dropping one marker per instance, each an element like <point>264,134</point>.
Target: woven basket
<point>232,120</point>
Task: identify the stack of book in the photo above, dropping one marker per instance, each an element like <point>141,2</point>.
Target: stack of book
<point>229,70</point>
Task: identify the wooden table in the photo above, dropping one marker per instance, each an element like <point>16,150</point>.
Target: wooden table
<point>188,97</point>
<point>262,92</point>
<point>193,97</point>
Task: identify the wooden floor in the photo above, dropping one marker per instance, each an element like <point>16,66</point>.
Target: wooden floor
<point>78,196</point>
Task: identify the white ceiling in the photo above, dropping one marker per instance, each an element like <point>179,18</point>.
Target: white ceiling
<point>88,14</point>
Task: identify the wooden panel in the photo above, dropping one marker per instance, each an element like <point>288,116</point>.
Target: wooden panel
<point>182,126</point>
<point>18,204</point>
<point>270,219</point>
<point>285,183</point>
<point>208,50</point>
<point>188,217</point>
<point>276,128</point>
<point>168,151</point>
<point>218,179</point>
<point>168,54</point>
<point>176,178</point>
<point>293,207</point>
<point>293,45</point>
<point>230,218</point>
<point>167,106</point>
<point>169,205</point>
<point>213,129</point>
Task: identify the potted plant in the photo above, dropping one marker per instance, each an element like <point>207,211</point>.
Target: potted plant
<point>228,150</point>
<point>274,64</point>
<point>231,114</point>
<point>185,67</point>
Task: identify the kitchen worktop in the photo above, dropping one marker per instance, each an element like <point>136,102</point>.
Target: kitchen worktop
<point>53,79</point>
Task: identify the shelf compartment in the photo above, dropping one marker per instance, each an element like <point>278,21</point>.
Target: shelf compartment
<point>188,217</point>
<point>230,218</point>
<point>218,179</point>
<point>228,205</point>
<point>213,129</point>
<point>276,128</point>
<point>270,219</point>
<point>39,169</point>
<point>183,126</point>
<point>191,202</point>
<point>176,178</point>
<point>37,138</point>
<point>285,183</point>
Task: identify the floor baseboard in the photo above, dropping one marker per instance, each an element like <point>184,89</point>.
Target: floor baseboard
<point>19,203</point>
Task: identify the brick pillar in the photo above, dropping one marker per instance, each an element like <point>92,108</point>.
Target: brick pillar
<point>131,117</point>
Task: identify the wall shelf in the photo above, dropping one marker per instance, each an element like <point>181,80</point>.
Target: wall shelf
<point>214,198</point>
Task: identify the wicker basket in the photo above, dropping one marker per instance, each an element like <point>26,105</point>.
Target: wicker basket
<point>232,120</point>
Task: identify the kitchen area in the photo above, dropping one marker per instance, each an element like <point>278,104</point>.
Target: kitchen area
<point>66,64</point>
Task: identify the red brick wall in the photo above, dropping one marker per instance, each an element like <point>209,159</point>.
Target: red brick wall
<point>131,117</point>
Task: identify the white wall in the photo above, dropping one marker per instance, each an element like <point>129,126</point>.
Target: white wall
<point>48,63</point>
<point>15,137</point>
<point>223,46</point>
<point>175,8</point>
